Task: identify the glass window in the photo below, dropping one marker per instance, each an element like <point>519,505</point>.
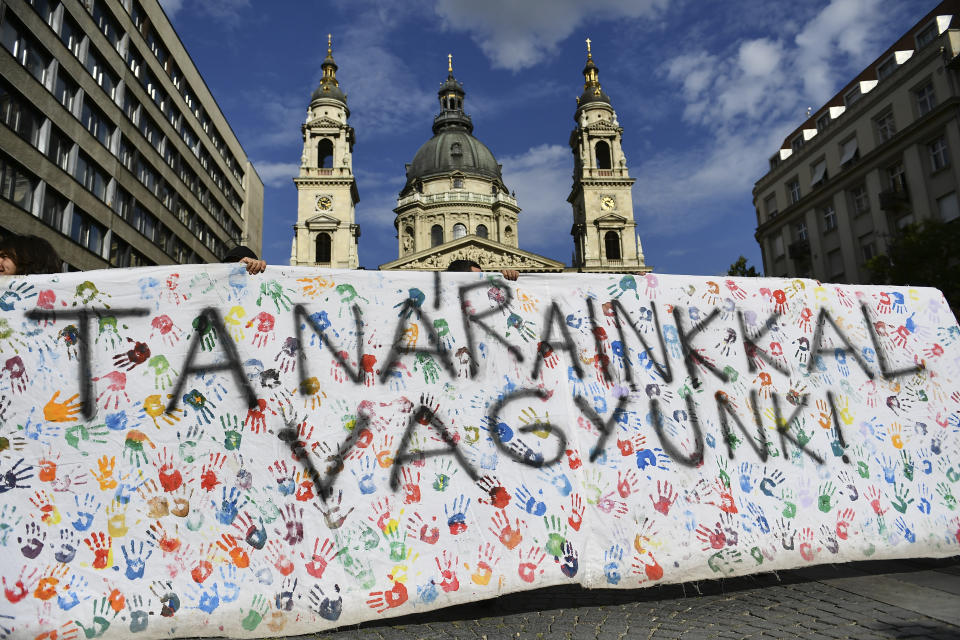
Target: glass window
<point>17,185</point>
<point>852,96</point>
<point>71,35</point>
<point>86,231</point>
<point>801,231</point>
<point>823,122</point>
<point>793,191</point>
<point>886,127</point>
<point>770,205</point>
<point>926,100</point>
<point>91,176</point>
<point>861,201</point>
<point>949,209</point>
<point>797,143</point>
<point>65,89</point>
<point>96,122</point>
<point>886,68</point>
<point>459,230</point>
<point>54,208</point>
<point>22,46</point>
<point>867,248</point>
<point>19,115</point>
<point>482,231</point>
<point>829,218</point>
<point>122,203</point>
<point>436,235</point>
<point>927,35</point>
<point>939,156</point>
<point>146,175</point>
<point>897,177</point>
<point>45,9</point>
<point>106,22</point>
<point>59,148</point>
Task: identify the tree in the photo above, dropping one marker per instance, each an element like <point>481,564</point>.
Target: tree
<point>924,254</point>
<point>740,268</point>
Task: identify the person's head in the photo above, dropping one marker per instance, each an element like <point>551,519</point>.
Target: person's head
<point>463,265</point>
<point>27,255</point>
<point>238,253</point>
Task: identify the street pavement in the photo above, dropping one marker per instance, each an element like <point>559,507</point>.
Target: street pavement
<point>882,599</point>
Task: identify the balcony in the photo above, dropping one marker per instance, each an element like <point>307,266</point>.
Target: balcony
<point>799,250</point>
<point>895,199</point>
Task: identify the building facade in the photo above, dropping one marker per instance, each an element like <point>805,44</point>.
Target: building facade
<point>113,147</point>
<point>876,157</point>
<point>326,233</point>
<point>604,230</point>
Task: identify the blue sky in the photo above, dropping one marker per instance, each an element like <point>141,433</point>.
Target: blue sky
<point>705,91</point>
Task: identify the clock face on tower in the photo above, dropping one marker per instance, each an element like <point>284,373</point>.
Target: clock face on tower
<point>607,202</point>
<point>324,203</point>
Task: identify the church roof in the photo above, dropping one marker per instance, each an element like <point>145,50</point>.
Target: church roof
<point>329,85</point>
<point>452,147</point>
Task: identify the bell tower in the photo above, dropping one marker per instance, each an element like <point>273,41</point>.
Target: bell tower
<point>604,230</point>
<point>326,233</point>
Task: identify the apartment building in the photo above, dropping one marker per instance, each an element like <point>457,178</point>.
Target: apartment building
<point>882,153</point>
<point>113,147</point>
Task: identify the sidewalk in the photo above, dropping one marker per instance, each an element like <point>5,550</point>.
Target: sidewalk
<point>883,599</point>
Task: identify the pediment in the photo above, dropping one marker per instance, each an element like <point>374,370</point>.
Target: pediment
<point>604,125</point>
<point>610,220</point>
<point>322,221</point>
<point>489,254</point>
<point>324,122</point>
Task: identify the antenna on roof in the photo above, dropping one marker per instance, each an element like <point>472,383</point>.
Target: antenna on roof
<point>809,109</point>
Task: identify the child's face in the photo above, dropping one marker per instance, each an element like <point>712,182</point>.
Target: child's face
<point>7,266</point>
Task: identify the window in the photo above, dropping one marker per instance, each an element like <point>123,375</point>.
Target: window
<point>927,35</point>
<point>823,122</point>
<point>835,265</point>
<point>146,175</point>
<point>770,205</point>
<point>91,176</point>
<point>939,157</point>
<point>849,152</point>
<point>797,143</point>
<point>86,231</point>
<point>138,15</point>
<point>867,248</point>
<point>144,222</point>
<point>778,247</point>
<point>65,89</point>
<point>818,173</point>
<point>611,245</point>
<point>926,100</point>
<point>15,37</point>
<point>800,231</point>
<point>96,122</point>
<point>861,201</point>
<point>852,96</point>
<point>603,155</point>
<point>482,231</point>
<point>45,9</point>
<point>71,35</point>
<point>126,153</point>
<point>949,209</point>
<point>793,191</point>
<point>459,230</point>
<point>131,107</point>
<point>151,132</point>
<point>886,68</point>
<point>455,149</point>
<point>458,182</point>
<point>323,248</point>
<point>436,235</point>
<point>54,208</point>
<point>886,128</point>
<point>106,22</point>
<point>17,185</point>
<point>122,203</point>
<point>19,115</point>
<point>829,218</point>
<point>897,177</point>
<point>59,148</point>
<point>123,255</point>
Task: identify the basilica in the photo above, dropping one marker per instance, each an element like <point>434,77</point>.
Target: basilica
<point>454,203</point>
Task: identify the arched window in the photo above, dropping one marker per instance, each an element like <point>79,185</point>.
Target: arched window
<point>611,242</point>
<point>459,230</point>
<point>482,231</point>
<point>508,232</point>
<point>325,154</point>
<point>458,182</point>
<point>603,155</point>
<point>323,248</point>
<point>436,235</point>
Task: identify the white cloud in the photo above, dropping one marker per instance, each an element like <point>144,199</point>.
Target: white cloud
<point>276,174</point>
<point>517,35</point>
<point>541,179</point>
<point>171,7</point>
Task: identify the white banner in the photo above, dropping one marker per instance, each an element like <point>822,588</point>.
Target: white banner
<point>194,451</point>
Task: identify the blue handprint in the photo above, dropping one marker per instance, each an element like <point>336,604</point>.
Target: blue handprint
<point>612,558</point>
<point>528,503</point>
<point>135,559</point>
<point>228,509</point>
<point>457,514</point>
<point>85,510</point>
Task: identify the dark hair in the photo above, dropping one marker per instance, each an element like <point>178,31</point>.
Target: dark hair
<point>238,253</point>
<point>31,255</point>
<point>463,265</point>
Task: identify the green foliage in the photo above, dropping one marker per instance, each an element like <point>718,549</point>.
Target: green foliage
<point>740,268</point>
<point>924,254</point>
